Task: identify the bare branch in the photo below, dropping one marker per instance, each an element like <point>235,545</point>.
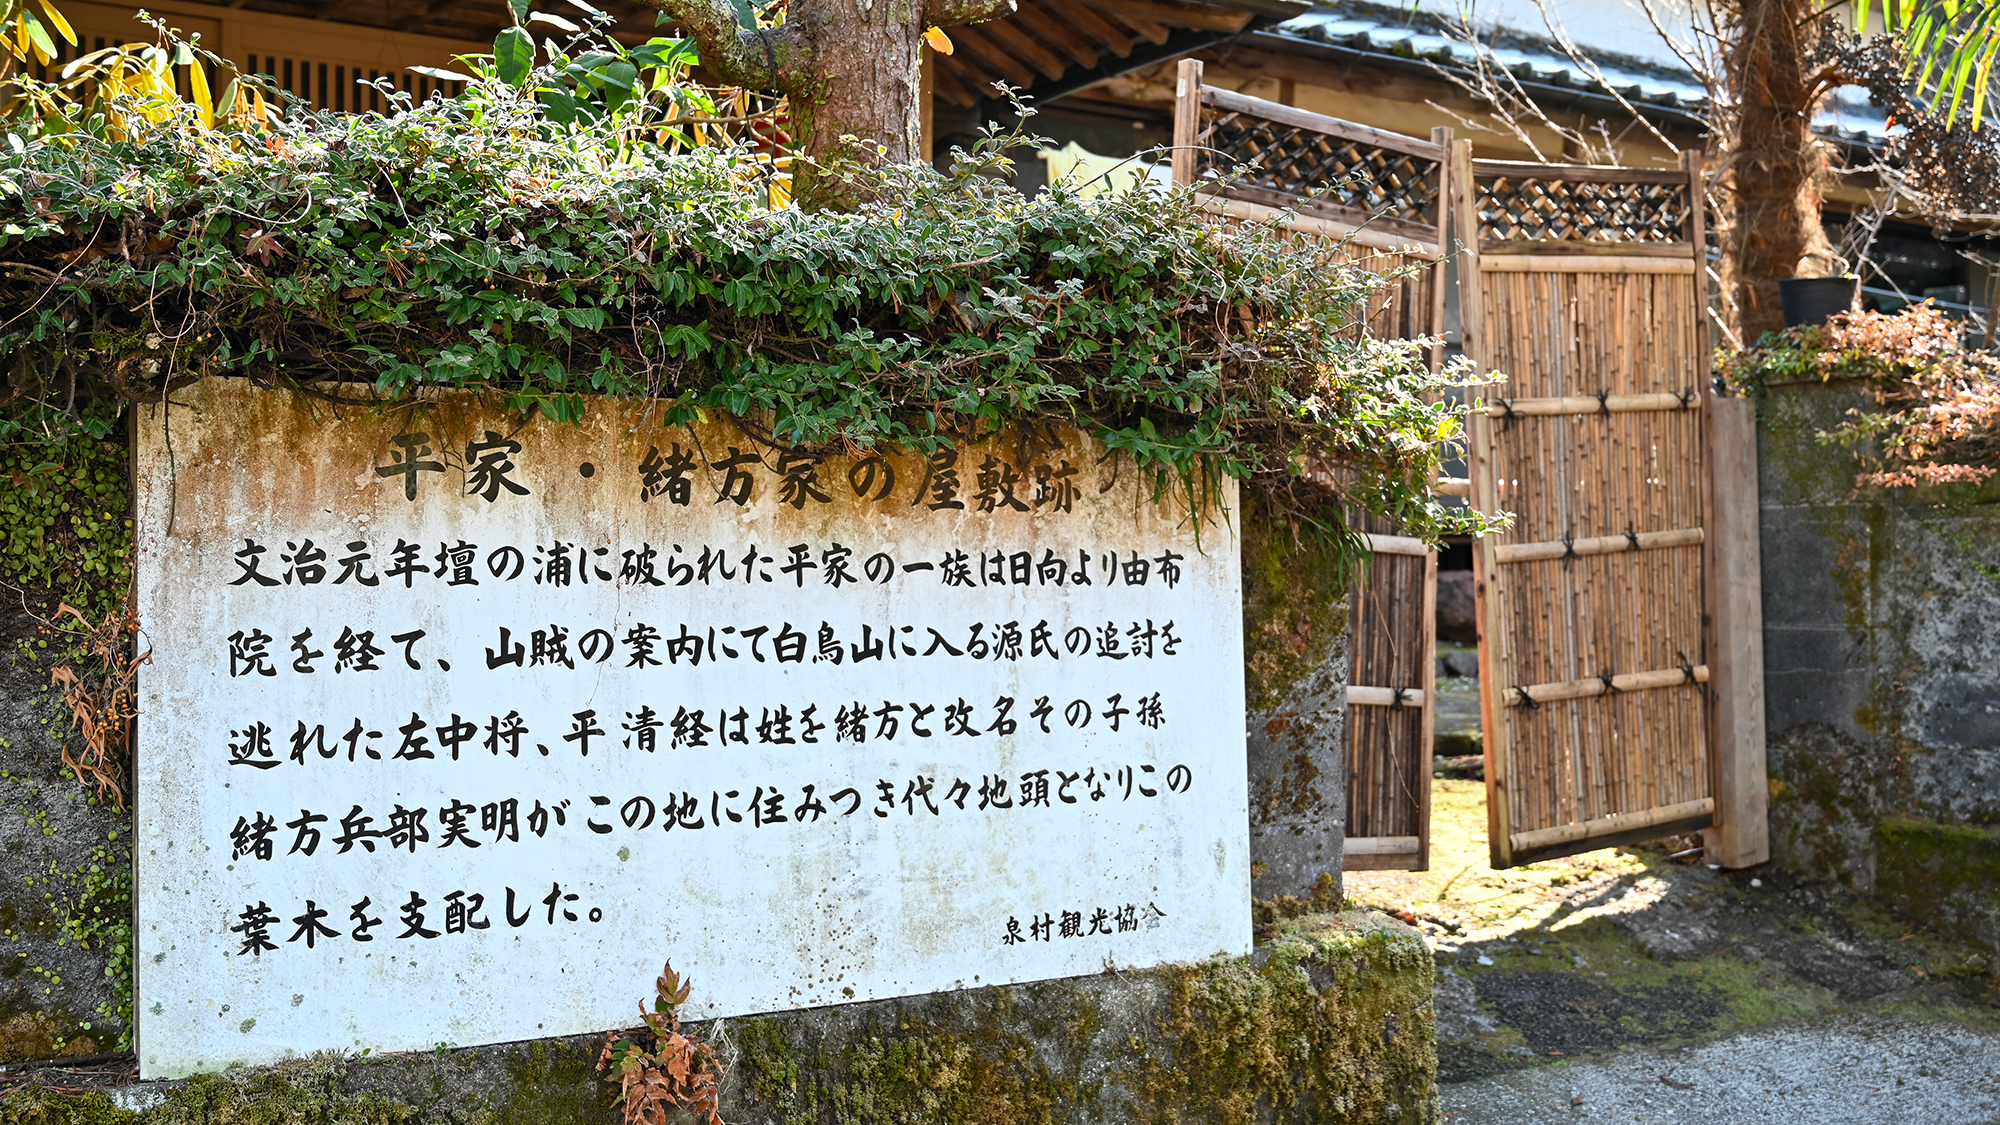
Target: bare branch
<point>1589,66</point>
<point>1511,109</point>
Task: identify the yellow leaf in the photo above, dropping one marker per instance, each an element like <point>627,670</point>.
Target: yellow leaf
<point>939,41</point>
<point>203,103</point>
<point>56,19</point>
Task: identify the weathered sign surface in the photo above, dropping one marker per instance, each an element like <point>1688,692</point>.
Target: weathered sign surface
<point>455,729</point>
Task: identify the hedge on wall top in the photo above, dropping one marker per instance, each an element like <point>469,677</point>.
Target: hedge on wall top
<point>482,241</point>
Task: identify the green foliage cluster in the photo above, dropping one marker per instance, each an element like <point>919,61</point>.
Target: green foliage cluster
<point>64,530</point>
<point>1940,417</point>
<point>488,241</point>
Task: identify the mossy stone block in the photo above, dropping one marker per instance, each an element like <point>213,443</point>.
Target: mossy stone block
<point>1330,1022</point>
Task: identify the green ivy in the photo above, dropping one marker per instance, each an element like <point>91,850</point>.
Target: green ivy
<point>97,916</point>
<point>478,242</point>
<point>65,526</point>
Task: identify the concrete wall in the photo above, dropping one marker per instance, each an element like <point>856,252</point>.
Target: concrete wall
<point>1882,671</point>
<point>1295,655</point>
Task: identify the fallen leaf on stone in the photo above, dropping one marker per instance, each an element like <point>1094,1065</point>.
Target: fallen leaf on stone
<point>1672,1084</point>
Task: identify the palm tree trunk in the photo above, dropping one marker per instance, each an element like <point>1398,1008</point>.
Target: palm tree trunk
<point>1776,165</point>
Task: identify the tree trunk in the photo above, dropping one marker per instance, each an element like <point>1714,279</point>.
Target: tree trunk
<point>848,68</point>
<point>870,53</point>
<point>867,68</point>
<point>1777,164</point>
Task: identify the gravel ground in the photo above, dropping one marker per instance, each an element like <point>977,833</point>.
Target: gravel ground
<point>1859,1070</point>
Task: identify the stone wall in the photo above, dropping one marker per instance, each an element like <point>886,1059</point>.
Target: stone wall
<point>65,860</point>
<point>1882,672</point>
<point>1330,1021</point>
<point>63,874</point>
<point>1295,652</point>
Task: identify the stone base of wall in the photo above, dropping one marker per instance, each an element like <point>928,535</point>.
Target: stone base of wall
<point>1882,672</point>
<point>1331,1021</point>
<point>1945,875</point>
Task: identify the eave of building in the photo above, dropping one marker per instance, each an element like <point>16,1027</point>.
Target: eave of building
<point>1048,49</point>
<point>1368,43</point>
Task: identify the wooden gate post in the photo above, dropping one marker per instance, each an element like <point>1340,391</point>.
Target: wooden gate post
<point>1741,836</point>
<point>1187,121</point>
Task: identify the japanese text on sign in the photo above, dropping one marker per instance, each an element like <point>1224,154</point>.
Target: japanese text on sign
<point>442,704</point>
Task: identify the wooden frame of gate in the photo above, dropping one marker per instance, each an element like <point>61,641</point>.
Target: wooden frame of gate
<point>1620,659</point>
<point>1388,197</point>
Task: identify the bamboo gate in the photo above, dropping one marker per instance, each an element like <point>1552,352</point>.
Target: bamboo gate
<point>1615,667</point>
<point>1621,662</point>
<point>1388,197</point>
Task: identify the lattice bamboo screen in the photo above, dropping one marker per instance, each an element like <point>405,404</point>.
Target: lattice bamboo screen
<point>1594,650</point>
<point>1387,196</point>
<point>1385,189</point>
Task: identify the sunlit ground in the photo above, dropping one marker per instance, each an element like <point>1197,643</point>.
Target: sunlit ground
<point>1462,898</point>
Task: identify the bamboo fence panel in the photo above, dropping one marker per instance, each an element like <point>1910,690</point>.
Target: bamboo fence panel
<point>1386,198</point>
<point>1618,754</point>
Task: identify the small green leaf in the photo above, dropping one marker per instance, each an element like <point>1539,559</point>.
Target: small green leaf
<point>514,55</point>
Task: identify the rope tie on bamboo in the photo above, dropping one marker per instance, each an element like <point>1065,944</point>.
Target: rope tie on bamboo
<point>1687,398</point>
<point>1526,700</point>
<point>1631,538</point>
<point>1610,688</point>
<point>1507,414</point>
<point>1569,545</point>
<point>1687,668</point>
<point>1604,401</point>
<point>1396,702</point>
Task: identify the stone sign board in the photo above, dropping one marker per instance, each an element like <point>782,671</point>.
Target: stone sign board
<point>456,728</point>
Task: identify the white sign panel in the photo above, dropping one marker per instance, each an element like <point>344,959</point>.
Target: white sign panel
<point>456,729</point>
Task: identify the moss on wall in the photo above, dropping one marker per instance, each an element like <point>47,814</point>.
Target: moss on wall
<point>306,1092</point>
<point>1294,605</point>
<point>555,1083</point>
<point>1336,1024</point>
<point>1331,1022</point>
<point>1883,706</point>
<point>1947,875</point>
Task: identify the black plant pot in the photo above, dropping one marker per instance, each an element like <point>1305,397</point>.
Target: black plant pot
<point>1810,300</point>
